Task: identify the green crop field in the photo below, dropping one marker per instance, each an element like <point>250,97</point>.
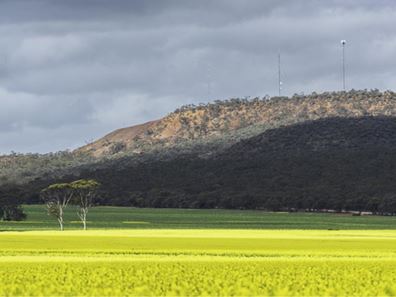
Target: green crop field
<point>162,252</point>
<point>145,218</point>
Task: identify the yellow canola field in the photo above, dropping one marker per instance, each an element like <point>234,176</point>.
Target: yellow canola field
<point>198,263</point>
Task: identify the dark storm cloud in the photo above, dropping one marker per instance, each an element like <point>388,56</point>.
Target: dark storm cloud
<point>72,70</point>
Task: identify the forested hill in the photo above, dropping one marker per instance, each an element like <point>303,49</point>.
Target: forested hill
<point>199,130</point>
<point>335,163</point>
<point>331,150</point>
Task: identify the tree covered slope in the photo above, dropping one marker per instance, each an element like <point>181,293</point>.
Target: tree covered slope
<point>335,163</point>
<point>320,151</point>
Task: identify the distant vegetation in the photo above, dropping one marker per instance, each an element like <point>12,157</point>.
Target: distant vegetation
<point>21,168</point>
<point>10,209</point>
<point>317,152</point>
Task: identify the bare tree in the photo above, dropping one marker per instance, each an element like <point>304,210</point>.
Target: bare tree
<point>84,193</point>
<point>56,198</point>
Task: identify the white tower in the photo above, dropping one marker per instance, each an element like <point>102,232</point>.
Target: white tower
<point>343,43</point>
<point>209,81</point>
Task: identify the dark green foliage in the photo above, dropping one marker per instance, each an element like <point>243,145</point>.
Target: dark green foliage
<point>12,213</point>
<point>10,199</point>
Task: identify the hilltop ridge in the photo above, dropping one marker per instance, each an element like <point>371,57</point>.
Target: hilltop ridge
<point>235,119</point>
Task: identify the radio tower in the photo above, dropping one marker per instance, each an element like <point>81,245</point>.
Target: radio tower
<point>343,43</point>
<point>209,81</point>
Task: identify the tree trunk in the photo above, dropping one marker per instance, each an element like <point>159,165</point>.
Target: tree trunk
<point>60,219</point>
<point>84,218</point>
<point>60,224</point>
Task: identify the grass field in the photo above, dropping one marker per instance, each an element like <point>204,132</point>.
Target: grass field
<point>212,253</point>
<point>141,218</point>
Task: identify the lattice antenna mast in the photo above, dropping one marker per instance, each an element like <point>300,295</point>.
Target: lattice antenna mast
<point>209,81</point>
<point>343,43</point>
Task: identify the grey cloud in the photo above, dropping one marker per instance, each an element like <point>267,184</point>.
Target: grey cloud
<point>74,70</point>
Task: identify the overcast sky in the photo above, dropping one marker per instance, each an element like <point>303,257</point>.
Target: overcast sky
<point>74,70</point>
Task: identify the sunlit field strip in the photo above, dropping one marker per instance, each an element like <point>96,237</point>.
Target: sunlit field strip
<point>193,258</point>
<point>217,233</point>
<point>8,255</point>
<point>198,262</point>
<point>202,278</point>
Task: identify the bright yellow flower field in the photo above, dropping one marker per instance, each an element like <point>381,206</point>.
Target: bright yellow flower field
<point>198,262</point>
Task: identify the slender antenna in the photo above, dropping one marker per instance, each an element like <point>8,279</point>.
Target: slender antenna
<point>209,82</point>
<point>343,43</point>
<point>279,75</point>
